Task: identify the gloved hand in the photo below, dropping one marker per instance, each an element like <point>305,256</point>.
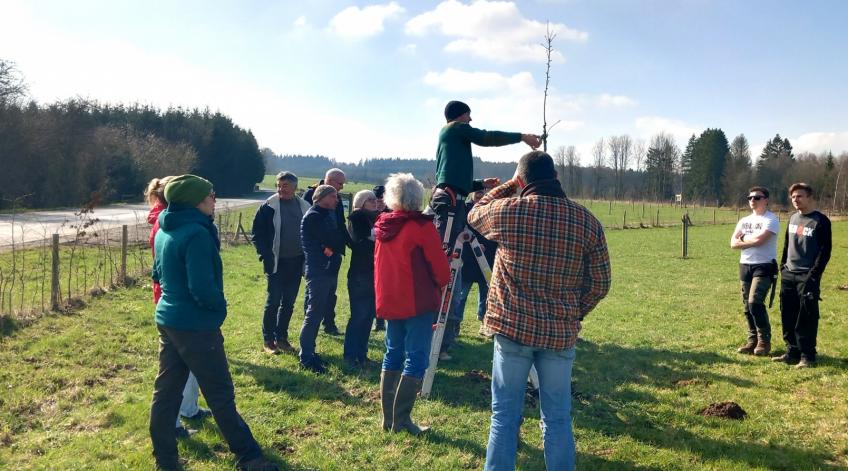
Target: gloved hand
<point>811,288</point>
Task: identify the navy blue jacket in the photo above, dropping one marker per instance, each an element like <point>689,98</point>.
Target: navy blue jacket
<point>318,230</point>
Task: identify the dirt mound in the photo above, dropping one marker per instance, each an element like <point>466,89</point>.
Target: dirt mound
<point>478,375</point>
<point>724,410</point>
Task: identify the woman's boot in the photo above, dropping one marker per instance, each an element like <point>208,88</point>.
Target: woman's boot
<point>388,387</point>
<point>407,391</point>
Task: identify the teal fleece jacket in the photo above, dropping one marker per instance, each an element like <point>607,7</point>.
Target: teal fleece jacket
<point>188,267</point>
<point>454,164</point>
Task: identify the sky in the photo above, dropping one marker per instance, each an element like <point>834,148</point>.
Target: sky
<point>354,80</point>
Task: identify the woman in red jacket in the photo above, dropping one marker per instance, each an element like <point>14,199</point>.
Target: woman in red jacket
<point>155,194</point>
<point>410,270</point>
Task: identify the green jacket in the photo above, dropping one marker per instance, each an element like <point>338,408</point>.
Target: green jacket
<point>188,267</point>
<point>454,164</point>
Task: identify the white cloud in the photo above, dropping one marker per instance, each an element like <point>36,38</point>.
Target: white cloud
<point>458,81</point>
<point>647,126</point>
<point>495,31</point>
<point>607,101</point>
<point>409,49</point>
<point>355,22</point>
<point>818,142</point>
<point>300,22</point>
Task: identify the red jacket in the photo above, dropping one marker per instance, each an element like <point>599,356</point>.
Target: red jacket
<point>410,267</point>
<point>153,218</point>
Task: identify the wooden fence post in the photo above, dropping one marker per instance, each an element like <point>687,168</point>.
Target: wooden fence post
<point>610,207</point>
<point>686,223</point>
<point>54,278</point>
<point>714,216</point>
<point>124,254</point>
<point>624,224</point>
<point>658,217</point>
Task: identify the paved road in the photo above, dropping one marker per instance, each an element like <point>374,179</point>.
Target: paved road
<point>35,226</point>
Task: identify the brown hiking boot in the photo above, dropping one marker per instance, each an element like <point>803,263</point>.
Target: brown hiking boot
<point>748,348</point>
<point>763,348</point>
<point>284,346</point>
<point>270,348</point>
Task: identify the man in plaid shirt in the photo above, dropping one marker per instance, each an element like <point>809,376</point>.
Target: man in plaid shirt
<point>551,269</point>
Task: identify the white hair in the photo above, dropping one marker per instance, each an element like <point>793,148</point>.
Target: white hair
<point>403,192</point>
<point>361,196</point>
<point>334,173</point>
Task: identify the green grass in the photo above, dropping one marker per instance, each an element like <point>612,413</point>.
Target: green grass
<point>77,388</point>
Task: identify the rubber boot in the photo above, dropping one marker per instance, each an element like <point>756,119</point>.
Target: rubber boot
<point>404,401</point>
<point>388,387</point>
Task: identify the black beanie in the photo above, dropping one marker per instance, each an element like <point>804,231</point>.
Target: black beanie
<point>455,109</point>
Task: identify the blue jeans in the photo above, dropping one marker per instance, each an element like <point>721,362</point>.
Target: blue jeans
<point>362,312</point>
<point>408,345</point>
<point>318,291</point>
<point>191,391</point>
<point>279,304</point>
<point>482,293</point>
<point>511,365</point>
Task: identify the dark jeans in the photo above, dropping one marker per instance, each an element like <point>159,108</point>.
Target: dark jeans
<point>282,292</point>
<point>318,292</point>
<point>330,317</point>
<point>362,312</point>
<point>756,280</point>
<point>799,313</point>
<point>202,352</point>
<point>441,203</point>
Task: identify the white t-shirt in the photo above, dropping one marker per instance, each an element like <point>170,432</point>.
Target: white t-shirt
<point>753,225</point>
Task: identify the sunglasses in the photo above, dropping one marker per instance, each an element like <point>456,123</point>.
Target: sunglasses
<point>756,198</point>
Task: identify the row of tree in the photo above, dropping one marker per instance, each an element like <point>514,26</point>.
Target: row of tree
<point>66,153</point>
<point>708,171</point>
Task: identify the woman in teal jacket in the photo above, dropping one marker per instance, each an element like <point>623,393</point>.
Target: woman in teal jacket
<point>189,315</point>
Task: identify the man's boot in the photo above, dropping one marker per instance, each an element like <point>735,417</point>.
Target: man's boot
<point>763,348</point>
<point>760,315</point>
<point>404,401</point>
<point>749,346</point>
<point>388,387</point>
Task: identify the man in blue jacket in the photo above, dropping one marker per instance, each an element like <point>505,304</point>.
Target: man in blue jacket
<point>189,316</point>
<point>276,236</point>
<point>335,177</point>
<point>322,245</point>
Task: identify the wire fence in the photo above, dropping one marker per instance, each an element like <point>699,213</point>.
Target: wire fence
<point>43,272</point>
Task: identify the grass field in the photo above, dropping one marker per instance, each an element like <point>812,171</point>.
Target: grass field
<point>661,347</point>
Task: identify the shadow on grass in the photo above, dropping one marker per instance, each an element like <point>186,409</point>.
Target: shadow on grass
<point>297,383</point>
<point>434,436</point>
<point>8,326</point>
<point>605,403</point>
<point>220,451</point>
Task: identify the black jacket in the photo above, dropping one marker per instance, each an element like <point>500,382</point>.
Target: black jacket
<point>360,275</point>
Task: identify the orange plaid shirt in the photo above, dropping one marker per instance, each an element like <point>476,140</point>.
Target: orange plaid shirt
<point>552,266</point>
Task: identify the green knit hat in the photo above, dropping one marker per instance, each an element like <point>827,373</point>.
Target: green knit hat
<point>189,190</point>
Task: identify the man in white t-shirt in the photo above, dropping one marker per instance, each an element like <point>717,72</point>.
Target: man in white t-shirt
<point>756,236</point>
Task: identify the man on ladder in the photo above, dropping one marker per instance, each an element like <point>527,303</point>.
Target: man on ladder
<point>454,181</point>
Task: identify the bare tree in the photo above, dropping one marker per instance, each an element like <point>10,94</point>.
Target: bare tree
<point>598,159</point>
<point>559,162</point>
<point>549,49</point>
<point>572,161</point>
<point>620,150</point>
<point>639,154</point>
<point>12,86</point>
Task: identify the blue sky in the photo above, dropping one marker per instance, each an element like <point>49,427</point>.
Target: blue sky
<point>354,80</point>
